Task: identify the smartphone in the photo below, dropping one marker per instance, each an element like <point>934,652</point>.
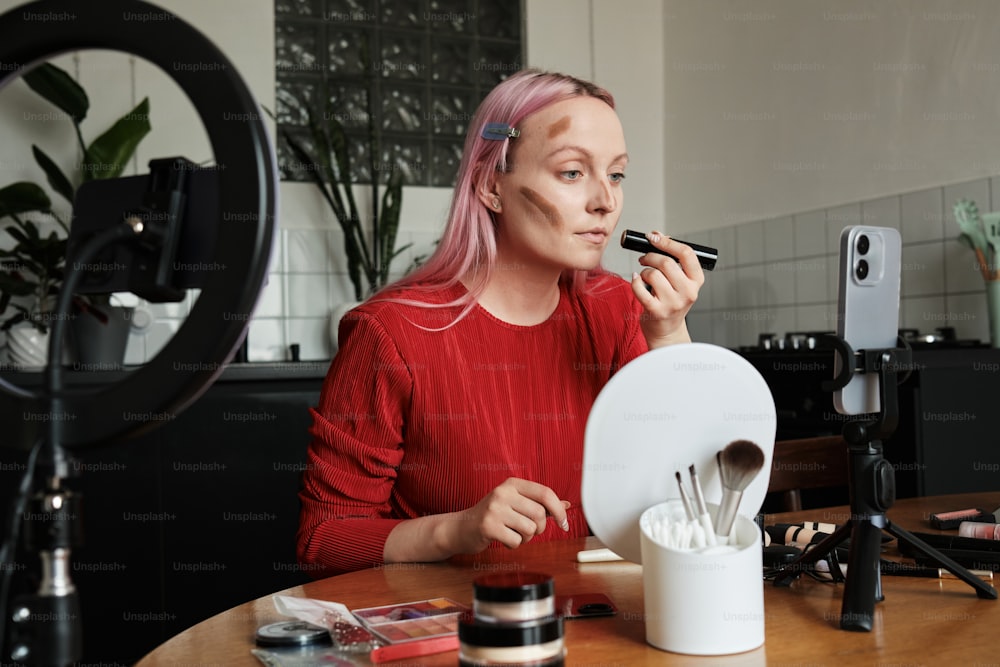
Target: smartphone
<point>585,605</point>
<point>867,307</point>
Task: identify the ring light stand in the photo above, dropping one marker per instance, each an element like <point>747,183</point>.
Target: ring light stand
<point>872,492</point>
<point>197,353</point>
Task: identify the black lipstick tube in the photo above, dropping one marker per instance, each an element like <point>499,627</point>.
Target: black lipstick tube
<point>632,240</point>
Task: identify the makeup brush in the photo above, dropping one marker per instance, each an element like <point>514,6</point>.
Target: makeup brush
<point>702,510</point>
<point>739,462</point>
<point>685,500</point>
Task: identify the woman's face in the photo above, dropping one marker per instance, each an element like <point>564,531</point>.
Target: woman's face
<point>562,194</point>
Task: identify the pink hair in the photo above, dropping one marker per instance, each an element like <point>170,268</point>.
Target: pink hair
<point>469,241</point>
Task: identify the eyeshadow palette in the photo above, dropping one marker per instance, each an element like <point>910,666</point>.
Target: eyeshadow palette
<point>409,621</point>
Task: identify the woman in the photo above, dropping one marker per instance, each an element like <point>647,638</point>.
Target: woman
<point>452,417</point>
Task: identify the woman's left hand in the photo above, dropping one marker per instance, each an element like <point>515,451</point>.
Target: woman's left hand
<point>674,290</point>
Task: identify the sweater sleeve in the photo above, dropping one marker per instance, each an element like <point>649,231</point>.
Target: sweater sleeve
<point>633,342</point>
<point>354,456</point>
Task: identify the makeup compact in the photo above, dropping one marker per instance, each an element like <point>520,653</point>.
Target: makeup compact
<point>292,634</point>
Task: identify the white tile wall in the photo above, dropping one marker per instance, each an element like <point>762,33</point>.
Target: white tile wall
<point>923,270</point>
<point>780,280</point>
<point>812,280</point>
<point>779,239</point>
<point>787,268</point>
<point>881,212</point>
<point>810,233</point>
<point>750,243</point>
<point>922,216</point>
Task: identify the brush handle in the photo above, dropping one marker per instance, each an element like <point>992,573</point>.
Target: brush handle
<point>703,515</point>
<point>727,513</point>
<point>686,501</point>
<point>706,523</point>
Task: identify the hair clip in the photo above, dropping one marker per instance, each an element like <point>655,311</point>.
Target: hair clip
<point>499,131</point>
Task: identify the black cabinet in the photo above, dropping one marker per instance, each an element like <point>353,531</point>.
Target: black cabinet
<point>186,520</point>
<point>948,436</point>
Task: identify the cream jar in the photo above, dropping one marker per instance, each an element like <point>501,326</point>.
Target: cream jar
<point>534,643</point>
<point>513,597</point>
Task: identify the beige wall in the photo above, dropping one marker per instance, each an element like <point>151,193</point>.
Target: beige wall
<point>622,51</point>
<point>734,111</point>
<point>776,107</point>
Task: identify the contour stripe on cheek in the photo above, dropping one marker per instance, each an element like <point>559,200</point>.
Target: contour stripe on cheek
<point>544,206</point>
<point>558,127</point>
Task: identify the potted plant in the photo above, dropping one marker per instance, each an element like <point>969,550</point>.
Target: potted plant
<point>981,232</point>
<point>33,270</point>
<point>369,241</point>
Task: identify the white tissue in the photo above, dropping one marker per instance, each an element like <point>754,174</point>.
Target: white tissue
<point>317,612</point>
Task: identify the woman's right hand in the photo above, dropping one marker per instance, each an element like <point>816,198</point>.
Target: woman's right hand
<point>512,514</point>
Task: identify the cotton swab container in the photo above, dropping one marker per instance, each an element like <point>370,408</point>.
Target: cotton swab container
<point>701,601</point>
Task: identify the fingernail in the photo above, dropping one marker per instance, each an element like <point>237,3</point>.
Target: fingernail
<point>635,275</point>
<point>565,525</point>
<point>654,237</point>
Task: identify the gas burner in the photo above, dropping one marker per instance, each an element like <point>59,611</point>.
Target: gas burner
<point>794,340</point>
<point>941,338</point>
<point>804,341</point>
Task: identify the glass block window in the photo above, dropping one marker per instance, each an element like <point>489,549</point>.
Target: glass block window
<point>429,64</point>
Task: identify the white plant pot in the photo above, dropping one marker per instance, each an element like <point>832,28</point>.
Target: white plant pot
<point>27,347</point>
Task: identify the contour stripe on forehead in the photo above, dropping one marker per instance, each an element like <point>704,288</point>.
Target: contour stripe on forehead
<point>560,126</point>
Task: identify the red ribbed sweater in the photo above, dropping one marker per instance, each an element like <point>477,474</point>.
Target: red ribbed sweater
<point>413,422</point>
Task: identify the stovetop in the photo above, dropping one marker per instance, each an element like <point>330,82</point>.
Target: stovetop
<point>944,338</point>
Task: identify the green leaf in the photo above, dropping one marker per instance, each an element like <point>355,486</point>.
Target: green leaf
<point>59,88</point>
<point>967,217</point>
<point>399,251</point>
<point>57,179</point>
<point>108,154</point>
<point>21,316</point>
<point>23,197</point>
<point>392,203</point>
<point>18,235</point>
<point>15,287</point>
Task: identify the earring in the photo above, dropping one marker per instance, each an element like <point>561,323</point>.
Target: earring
<point>496,203</point>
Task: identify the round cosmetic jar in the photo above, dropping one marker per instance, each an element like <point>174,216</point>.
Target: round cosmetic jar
<point>535,643</point>
<point>513,596</point>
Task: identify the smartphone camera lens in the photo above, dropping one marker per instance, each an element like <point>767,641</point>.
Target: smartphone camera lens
<point>862,270</point>
<point>863,245</point>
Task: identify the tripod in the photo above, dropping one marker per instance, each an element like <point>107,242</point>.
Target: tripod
<point>872,484</point>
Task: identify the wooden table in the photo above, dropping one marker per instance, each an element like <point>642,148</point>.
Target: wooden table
<point>920,622</point>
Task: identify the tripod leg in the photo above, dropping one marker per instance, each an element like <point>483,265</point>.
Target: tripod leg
<point>863,584</point>
<point>983,589</point>
<point>818,552</point>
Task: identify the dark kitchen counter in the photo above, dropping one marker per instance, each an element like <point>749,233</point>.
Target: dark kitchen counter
<point>104,374</point>
<point>185,520</point>
<point>945,441</point>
